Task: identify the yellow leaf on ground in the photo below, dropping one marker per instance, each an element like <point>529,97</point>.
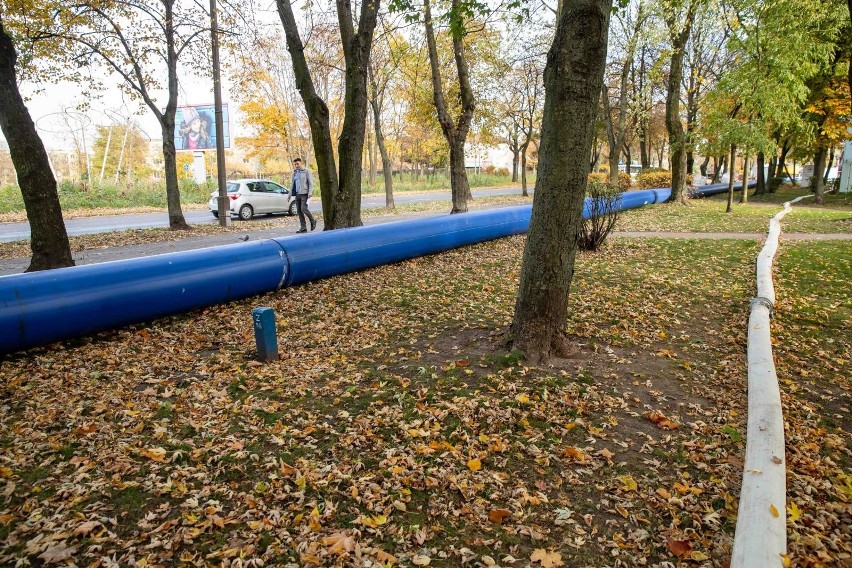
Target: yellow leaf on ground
<point>156,454</point>
<point>547,559</point>
<point>628,483</point>
<point>474,464</point>
<point>574,453</point>
<point>522,398</point>
<point>794,512</point>
<point>774,510</point>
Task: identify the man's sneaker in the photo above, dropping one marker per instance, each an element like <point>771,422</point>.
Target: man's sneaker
<point>302,231</point>
<point>313,224</point>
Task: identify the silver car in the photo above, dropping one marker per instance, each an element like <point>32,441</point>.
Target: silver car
<point>250,197</point>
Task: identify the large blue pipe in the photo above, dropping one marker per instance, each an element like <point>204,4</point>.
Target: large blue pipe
<point>43,307</point>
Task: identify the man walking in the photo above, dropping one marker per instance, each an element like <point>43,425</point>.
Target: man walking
<point>302,189</point>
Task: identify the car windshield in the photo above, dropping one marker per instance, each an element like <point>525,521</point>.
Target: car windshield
<point>233,187</point>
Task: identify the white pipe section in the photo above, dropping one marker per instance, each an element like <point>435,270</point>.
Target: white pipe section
<point>761,534</point>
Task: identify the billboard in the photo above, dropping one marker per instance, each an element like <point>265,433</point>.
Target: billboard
<point>195,127</point>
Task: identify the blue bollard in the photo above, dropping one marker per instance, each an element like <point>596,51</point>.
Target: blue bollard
<point>265,334</point>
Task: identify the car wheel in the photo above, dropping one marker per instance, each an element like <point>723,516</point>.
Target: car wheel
<point>215,214</point>
<point>246,212</point>
<point>292,211</point>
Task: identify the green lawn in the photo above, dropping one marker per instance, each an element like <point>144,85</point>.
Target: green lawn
<point>708,216</point>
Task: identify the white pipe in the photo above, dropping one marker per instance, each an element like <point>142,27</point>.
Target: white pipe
<point>761,534</point>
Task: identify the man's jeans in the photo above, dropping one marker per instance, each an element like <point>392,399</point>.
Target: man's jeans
<point>302,209</point>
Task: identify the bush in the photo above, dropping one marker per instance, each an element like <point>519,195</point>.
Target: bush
<point>502,172</point>
<point>653,178</point>
<point>624,180</point>
<point>604,214</point>
<point>489,169</point>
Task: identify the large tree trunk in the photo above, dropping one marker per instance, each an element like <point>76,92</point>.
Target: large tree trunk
<point>761,175</point>
<point>350,147</point>
<point>677,137</point>
<point>458,177</point>
<point>387,166</point>
<point>318,115</point>
<point>744,194</point>
<point>48,238</point>
<point>703,167</point>
<point>167,125</point>
<point>816,181</point>
<point>731,176</point>
<point>718,165</point>
<point>828,165</point>
<point>456,134</point>
<point>572,78</point>
<point>782,160</point>
<point>516,154</point>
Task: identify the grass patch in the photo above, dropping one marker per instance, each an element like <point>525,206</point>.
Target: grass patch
<point>708,216</point>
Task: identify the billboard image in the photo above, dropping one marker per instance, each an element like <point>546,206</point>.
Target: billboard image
<point>195,127</point>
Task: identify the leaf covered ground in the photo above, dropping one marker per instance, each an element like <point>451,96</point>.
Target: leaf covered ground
<point>395,429</point>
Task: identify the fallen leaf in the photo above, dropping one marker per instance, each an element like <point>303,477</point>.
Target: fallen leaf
<point>661,421</point>
<point>680,548</point>
<point>628,483</point>
<point>774,510</point>
<point>474,464</point>
<point>156,454</point>
<point>497,515</point>
<point>85,528</point>
<point>421,560</point>
<point>58,552</point>
<point>794,512</point>
<point>547,559</point>
<point>574,453</point>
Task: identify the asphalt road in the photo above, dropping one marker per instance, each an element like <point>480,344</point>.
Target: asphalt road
<point>89,225</point>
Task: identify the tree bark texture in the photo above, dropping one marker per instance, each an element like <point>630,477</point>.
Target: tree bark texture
<point>731,176</point>
<point>674,126</point>
<point>167,124</point>
<point>573,78</point>
<point>387,166</point>
<point>456,134</point>
<point>356,51</point>
<point>703,166</point>
<point>761,174</point>
<point>317,111</point>
<point>513,146</point>
<point>48,237</point>
<point>782,159</point>
<point>524,191</point>
<point>744,194</point>
<point>817,180</point>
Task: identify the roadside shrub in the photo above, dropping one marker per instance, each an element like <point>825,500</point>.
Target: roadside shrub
<point>653,178</point>
<point>489,169</point>
<point>502,172</point>
<point>624,180</point>
<point>604,215</point>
